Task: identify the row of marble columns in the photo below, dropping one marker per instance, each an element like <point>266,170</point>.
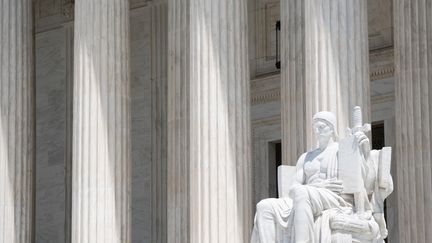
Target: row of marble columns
<point>203,103</point>
<point>205,119</point>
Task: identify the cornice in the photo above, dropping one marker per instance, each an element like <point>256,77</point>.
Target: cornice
<point>266,96</point>
<point>390,97</point>
<point>68,10</point>
<point>269,121</point>
<point>260,95</point>
<point>382,73</point>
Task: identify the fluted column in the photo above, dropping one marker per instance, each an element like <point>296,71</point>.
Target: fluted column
<point>159,119</point>
<point>209,172</point>
<point>413,59</point>
<point>324,57</point>
<point>101,176</point>
<point>17,106</point>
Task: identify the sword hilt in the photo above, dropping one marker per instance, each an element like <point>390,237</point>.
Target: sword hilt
<point>357,119</point>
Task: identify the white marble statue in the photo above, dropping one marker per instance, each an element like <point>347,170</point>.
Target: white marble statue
<point>337,194</point>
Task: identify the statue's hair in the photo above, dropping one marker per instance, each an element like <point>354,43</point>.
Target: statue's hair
<point>335,134</point>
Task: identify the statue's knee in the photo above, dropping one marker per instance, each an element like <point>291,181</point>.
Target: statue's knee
<point>264,206</point>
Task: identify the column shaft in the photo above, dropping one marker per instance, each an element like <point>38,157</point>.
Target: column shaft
<point>101,176</point>
<point>324,67</point>
<point>17,107</point>
<point>209,172</point>
<point>413,59</point>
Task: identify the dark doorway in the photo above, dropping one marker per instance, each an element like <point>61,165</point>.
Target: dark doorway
<point>378,138</point>
<point>275,159</point>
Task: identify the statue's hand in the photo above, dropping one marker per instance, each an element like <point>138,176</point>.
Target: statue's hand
<point>332,184</point>
<point>363,142</point>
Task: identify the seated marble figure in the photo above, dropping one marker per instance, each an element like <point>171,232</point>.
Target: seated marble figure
<point>318,208</point>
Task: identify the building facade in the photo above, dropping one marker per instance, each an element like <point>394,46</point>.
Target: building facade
<point>165,120</point>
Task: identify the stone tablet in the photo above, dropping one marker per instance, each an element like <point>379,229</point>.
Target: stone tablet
<point>384,167</point>
<point>350,165</point>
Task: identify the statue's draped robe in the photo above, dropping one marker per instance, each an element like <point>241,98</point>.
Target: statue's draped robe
<point>305,211</point>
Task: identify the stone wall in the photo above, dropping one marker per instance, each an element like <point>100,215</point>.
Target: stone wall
<point>51,130</point>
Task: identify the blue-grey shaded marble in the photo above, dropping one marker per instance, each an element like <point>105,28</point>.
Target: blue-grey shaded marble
<point>50,136</point>
<point>140,24</point>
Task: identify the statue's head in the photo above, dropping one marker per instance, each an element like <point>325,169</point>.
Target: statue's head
<point>324,125</point>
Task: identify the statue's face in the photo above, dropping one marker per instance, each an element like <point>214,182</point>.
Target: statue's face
<point>323,131</point>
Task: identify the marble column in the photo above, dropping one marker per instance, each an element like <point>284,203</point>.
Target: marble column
<point>101,175</point>
<point>413,60</point>
<point>17,127</point>
<point>209,170</point>
<point>324,60</point>
<point>159,119</point>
